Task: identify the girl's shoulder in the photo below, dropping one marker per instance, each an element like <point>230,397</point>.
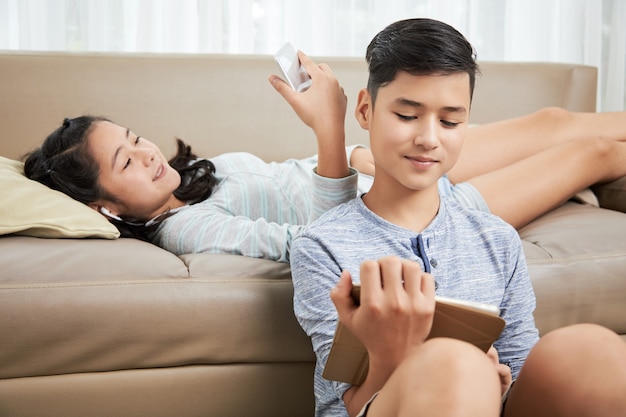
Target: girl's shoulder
<point>236,158</point>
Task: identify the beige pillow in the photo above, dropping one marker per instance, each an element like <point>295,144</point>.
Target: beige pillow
<point>32,209</point>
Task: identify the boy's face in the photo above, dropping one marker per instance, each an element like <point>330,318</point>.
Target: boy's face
<point>416,128</point>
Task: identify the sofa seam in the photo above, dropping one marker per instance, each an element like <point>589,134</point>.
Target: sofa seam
<point>188,281</point>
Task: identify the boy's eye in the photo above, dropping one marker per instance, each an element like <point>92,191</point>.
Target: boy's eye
<point>449,124</point>
<point>405,117</point>
<point>137,140</point>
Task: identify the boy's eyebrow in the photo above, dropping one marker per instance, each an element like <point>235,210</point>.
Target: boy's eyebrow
<point>413,103</point>
<point>117,151</point>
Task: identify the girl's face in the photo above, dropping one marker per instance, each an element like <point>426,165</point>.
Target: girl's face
<point>132,170</point>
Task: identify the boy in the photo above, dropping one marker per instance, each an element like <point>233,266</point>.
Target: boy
<point>403,243</point>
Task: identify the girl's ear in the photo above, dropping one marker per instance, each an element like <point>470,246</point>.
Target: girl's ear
<point>363,109</point>
<point>95,206</point>
<point>104,211</point>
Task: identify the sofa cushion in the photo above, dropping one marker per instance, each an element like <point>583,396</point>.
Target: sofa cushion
<point>30,208</point>
<point>95,305</point>
<point>576,256</point>
<point>612,195</point>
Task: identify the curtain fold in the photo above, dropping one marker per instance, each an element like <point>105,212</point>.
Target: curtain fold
<point>591,32</point>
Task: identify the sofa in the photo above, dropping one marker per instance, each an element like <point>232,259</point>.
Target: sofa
<point>96,325</point>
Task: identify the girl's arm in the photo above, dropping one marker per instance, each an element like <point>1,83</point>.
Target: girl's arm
<point>323,108</point>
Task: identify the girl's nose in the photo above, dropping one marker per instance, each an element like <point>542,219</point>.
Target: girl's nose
<point>147,156</point>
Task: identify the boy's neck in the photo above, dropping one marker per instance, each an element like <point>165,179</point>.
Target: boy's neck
<point>412,210</point>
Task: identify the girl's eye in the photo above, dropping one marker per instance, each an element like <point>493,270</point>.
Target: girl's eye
<point>127,163</point>
<point>137,140</point>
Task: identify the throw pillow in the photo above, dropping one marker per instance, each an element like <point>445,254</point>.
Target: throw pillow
<point>612,195</point>
<point>32,209</point>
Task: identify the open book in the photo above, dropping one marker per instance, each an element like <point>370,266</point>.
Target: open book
<point>472,322</point>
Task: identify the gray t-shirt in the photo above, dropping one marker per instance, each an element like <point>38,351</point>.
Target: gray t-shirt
<point>472,255</point>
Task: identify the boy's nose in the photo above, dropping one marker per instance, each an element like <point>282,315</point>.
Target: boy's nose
<point>426,134</point>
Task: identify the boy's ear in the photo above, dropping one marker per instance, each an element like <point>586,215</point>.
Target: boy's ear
<point>363,109</point>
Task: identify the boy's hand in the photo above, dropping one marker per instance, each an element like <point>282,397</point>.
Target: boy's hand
<point>395,313</point>
<point>504,372</point>
<point>323,106</point>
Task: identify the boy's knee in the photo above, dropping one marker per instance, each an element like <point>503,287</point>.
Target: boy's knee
<point>444,373</point>
<point>579,337</point>
<point>458,359</point>
<point>579,369</point>
<point>577,348</point>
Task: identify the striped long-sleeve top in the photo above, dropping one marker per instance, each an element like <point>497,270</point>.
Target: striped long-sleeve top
<point>256,209</point>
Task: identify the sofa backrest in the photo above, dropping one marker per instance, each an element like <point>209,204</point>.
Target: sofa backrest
<point>222,103</point>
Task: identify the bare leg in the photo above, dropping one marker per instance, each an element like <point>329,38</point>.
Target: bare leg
<point>526,189</point>
<point>577,371</point>
<point>495,145</point>
<point>444,377</point>
<point>362,160</point>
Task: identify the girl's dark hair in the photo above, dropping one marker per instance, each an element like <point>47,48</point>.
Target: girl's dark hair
<point>63,162</point>
<point>420,47</point>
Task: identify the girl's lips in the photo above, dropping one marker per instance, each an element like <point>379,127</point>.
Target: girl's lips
<point>159,173</point>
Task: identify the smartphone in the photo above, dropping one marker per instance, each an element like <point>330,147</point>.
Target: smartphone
<point>293,71</point>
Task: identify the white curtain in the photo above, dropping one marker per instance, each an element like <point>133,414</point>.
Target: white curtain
<point>591,32</point>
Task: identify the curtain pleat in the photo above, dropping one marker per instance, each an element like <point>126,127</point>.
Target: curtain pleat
<point>591,32</point>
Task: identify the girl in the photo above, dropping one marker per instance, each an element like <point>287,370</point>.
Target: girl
<point>236,203</point>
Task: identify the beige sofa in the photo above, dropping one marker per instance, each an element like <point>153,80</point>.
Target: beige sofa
<point>105,327</point>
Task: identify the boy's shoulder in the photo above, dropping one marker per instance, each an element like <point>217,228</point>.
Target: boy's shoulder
<point>338,216</point>
<point>459,216</point>
<point>333,226</point>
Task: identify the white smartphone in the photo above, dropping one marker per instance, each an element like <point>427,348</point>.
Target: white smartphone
<point>292,69</point>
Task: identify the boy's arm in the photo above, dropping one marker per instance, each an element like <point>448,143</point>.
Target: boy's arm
<point>322,107</point>
<point>314,273</point>
<point>518,305</point>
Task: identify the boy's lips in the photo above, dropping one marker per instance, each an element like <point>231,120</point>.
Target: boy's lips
<point>421,161</point>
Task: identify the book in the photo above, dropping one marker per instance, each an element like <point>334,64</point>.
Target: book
<point>473,322</point>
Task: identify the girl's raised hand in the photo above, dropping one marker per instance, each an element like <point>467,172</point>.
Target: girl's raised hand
<point>322,107</point>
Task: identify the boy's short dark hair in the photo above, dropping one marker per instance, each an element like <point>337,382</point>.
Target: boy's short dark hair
<point>420,47</point>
